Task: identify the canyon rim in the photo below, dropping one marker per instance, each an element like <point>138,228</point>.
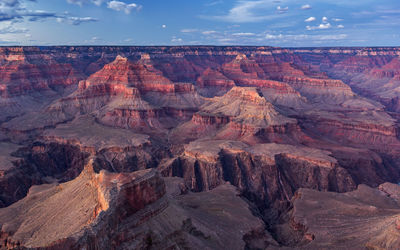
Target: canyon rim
<point>111,142</point>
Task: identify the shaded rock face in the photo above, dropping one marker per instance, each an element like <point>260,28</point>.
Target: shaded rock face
<point>64,160</point>
<point>129,211</point>
<point>30,78</point>
<point>365,218</point>
<point>38,163</point>
<point>269,121</point>
<point>99,201</point>
<point>241,114</point>
<point>122,94</point>
<point>25,70</point>
<point>267,174</point>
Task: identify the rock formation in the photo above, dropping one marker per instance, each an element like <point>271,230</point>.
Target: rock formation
<point>365,218</point>
<point>285,128</point>
<point>242,113</point>
<point>89,206</point>
<point>268,174</point>
<point>128,211</point>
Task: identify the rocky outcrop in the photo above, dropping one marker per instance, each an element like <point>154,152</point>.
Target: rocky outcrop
<point>212,83</point>
<point>130,211</point>
<point>247,73</point>
<point>62,153</point>
<point>122,94</point>
<point>365,218</point>
<point>38,164</point>
<point>267,174</point>
<point>30,79</point>
<point>267,120</point>
<point>311,87</point>
<point>216,219</point>
<point>242,112</point>
<point>78,213</point>
<point>370,72</point>
<point>22,73</point>
<point>113,149</point>
<point>369,129</point>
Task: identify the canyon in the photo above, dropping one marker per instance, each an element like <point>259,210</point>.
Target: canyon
<point>199,147</point>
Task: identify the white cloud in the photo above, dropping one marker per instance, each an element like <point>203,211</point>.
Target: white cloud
<point>301,37</point>
<point>163,26</point>
<point>306,7</point>
<point>78,2</point>
<point>337,19</point>
<point>94,40</point>
<point>121,6</point>
<point>209,32</point>
<point>15,10</point>
<point>322,26</point>
<point>226,40</point>
<point>282,10</point>
<point>82,2</point>
<point>272,37</point>
<point>246,12</point>
<point>340,26</point>
<point>324,19</point>
<point>214,3</point>
<point>310,19</point>
<point>331,37</point>
<point>189,30</point>
<point>243,34</point>
<point>76,20</point>
<point>98,2</point>
<point>12,30</point>
<point>176,40</point>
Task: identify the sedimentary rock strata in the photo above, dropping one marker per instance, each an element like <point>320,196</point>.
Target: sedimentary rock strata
<point>365,218</point>
<point>285,127</point>
<point>73,213</point>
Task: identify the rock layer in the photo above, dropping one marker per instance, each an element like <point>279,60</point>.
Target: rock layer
<point>89,200</point>
<point>365,218</point>
<point>268,120</point>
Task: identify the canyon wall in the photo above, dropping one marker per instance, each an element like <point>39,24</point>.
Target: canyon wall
<point>273,125</point>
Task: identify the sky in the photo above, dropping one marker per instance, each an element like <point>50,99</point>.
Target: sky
<point>282,23</point>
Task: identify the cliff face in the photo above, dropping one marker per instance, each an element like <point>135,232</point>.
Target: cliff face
<point>267,174</point>
<point>29,79</point>
<point>116,210</point>
<point>23,72</point>
<point>241,114</point>
<point>366,218</point>
<point>91,199</point>
<point>371,72</point>
<point>269,121</point>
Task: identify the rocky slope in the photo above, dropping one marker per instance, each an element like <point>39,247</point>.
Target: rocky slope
<point>267,174</point>
<point>270,121</point>
<point>122,94</point>
<point>242,113</point>
<point>366,218</point>
<point>87,203</point>
<point>128,211</point>
<point>30,79</point>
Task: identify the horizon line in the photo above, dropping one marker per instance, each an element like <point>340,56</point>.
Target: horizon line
<point>202,45</point>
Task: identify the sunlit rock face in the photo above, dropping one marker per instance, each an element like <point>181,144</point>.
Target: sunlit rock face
<point>199,147</point>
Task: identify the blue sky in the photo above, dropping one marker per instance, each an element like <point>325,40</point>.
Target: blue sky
<point>284,23</point>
